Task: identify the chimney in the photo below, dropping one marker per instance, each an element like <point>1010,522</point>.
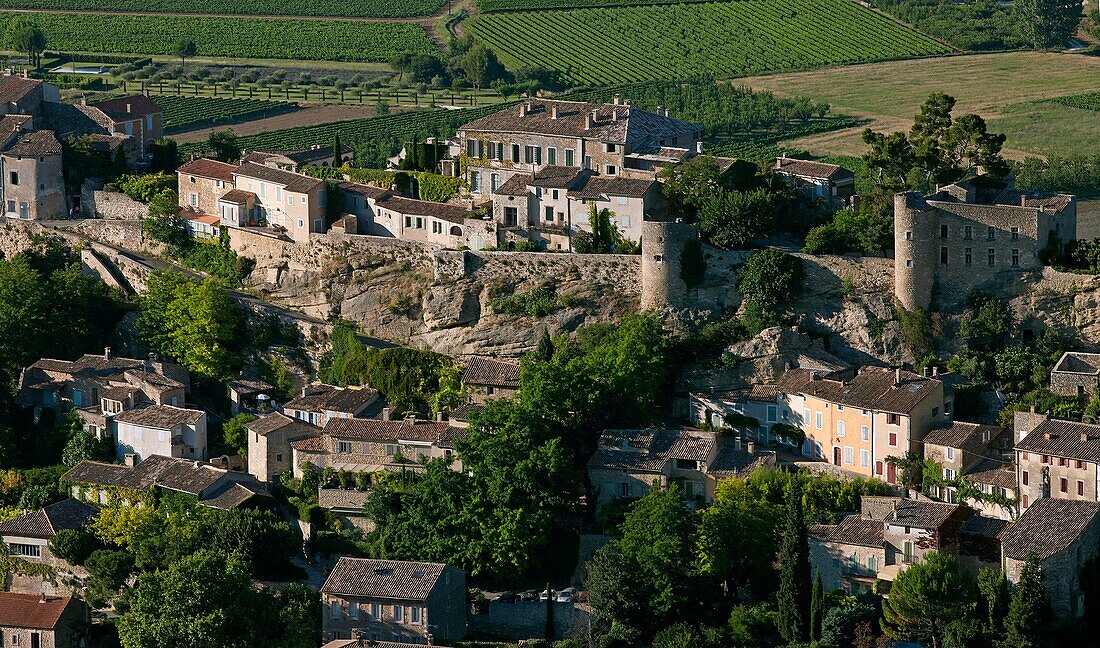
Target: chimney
<point>698,147</point>
<point>737,442</point>
<point>1085,436</point>
<point>553,112</point>
<point>129,108</point>
<point>618,99</point>
<point>387,412</point>
<point>439,418</point>
<point>935,371</point>
<point>750,447</point>
<point>1023,200</point>
<point>587,122</point>
<point>305,388</point>
<point>615,115</point>
<point>130,459</point>
<point>667,113</point>
<point>897,376</point>
<point>523,110</point>
<point>197,464</point>
<point>106,353</point>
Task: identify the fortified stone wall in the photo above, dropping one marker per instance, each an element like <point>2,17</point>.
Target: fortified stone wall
<point>113,205</point>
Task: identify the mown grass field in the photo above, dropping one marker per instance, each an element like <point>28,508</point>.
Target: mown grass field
<point>1010,90</point>
<point>286,38</point>
<point>677,41</point>
<point>335,8</point>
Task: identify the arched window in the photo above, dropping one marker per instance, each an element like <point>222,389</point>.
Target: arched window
<point>456,230</point>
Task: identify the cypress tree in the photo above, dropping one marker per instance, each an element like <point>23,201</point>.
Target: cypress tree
<point>545,350</point>
<point>1029,614</point>
<point>817,609</point>
<point>794,572</point>
<point>337,152</point>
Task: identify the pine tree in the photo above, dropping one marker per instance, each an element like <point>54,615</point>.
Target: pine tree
<point>794,572</point>
<point>1029,614</point>
<point>817,609</point>
<point>337,152</point>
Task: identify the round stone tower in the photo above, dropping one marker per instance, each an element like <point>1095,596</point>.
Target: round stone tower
<point>662,244</point>
<point>915,261</point>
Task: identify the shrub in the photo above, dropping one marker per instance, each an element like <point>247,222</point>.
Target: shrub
<point>109,569</point>
<point>537,302</point>
<point>769,282</point>
<point>144,188</point>
<point>72,545</point>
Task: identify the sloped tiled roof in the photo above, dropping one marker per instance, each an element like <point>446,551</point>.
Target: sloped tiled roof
<point>357,643</point>
<point>250,386</point>
<point>811,169</point>
<point>558,177</point>
<point>599,186</point>
<point>30,610</point>
<point>295,182</point>
<point>232,494</point>
<point>321,397</point>
<point>237,196</point>
<point>342,498</point>
<point>365,189</point>
<point>444,211</point>
<point>648,450</point>
<point>359,429</point>
<point>47,521</point>
<point>873,388</point>
<point>174,473</point>
<point>515,186</point>
<point>1067,439</point>
<point>613,123</point>
<point>160,416</point>
<point>207,168</point>
<point>921,514</point>
<point>853,529</point>
<point>998,474</point>
<point>483,371</point>
<point>34,144</point>
<point>129,107</point>
<point>1047,527</point>
<point>732,462</point>
<point>968,437</point>
<point>268,423</point>
<point>390,579</point>
<point>14,88</point>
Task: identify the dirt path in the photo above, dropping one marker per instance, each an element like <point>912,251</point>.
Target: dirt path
<point>304,117</point>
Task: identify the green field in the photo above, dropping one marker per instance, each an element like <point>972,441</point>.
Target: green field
<point>327,40</point>
<point>186,113</point>
<point>1086,101</point>
<point>335,8</point>
<point>678,41</point>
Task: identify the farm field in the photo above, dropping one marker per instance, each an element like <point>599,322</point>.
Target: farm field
<point>1003,88</point>
<point>1087,101</point>
<point>185,113</point>
<point>676,41</point>
<point>487,6</point>
<point>334,8</point>
<point>339,40</point>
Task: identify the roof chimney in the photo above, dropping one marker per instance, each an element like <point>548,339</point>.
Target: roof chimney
<point>666,112</point>
<point>553,112</point>
<point>587,121</point>
<point>897,376</point>
<point>387,412</point>
<point>750,447</point>
<point>618,99</point>
<point>439,418</point>
<point>615,115</point>
<point>1023,200</point>
<point>106,353</point>
<point>130,459</point>
<point>523,110</point>
<point>129,108</point>
<point>935,371</point>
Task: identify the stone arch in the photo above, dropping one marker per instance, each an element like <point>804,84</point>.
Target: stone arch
<point>456,230</point>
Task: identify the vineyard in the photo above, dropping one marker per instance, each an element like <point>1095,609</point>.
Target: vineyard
<point>187,113</point>
<point>328,40</point>
<point>488,6</point>
<point>677,41</point>
<point>764,145</point>
<point>333,8</point>
<point>1087,101</point>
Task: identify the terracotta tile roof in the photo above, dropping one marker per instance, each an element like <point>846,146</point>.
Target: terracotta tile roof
<point>1048,526</point>
<point>407,206</point>
<point>358,429</point>
<point>34,144</point>
<point>613,123</point>
<point>31,611</point>
<point>648,450</point>
<point>130,107</point>
<point>206,219</point>
<point>853,529</point>
<point>269,423</point>
<point>356,643</point>
<point>1067,439</point>
<point>1077,362</point>
<point>559,177</point>
<point>877,507</point>
<point>119,393</point>
<point>810,169</point>
<point>921,514</point>
<point>321,397</point>
<point>998,474</point>
<point>237,197</point>
<point>599,186</point>
<point>515,186</point>
<point>873,388</point>
<point>305,156</point>
<point>483,371</point>
<point>365,190</point>
<point>294,182</point>
<point>463,411</point>
<point>153,378</point>
<point>310,444</point>
<point>207,168</point>
<point>388,579</point>
<point>162,417</point>
<point>968,437</point>
<point>46,522</point>
<point>15,88</point>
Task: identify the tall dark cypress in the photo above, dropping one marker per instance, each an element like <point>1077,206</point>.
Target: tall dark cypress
<point>817,609</point>
<point>794,572</point>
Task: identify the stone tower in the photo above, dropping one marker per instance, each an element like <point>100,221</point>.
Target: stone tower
<point>662,244</point>
<point>915,261</point>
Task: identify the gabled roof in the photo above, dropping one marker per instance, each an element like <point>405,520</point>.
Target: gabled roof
<point>47,521</point>
<point>207,168</point>
<point>271,422</point>
<point>558,177</point>
<point>732,461</point>
<point>366,190</point>
<point>14,88</point>
<point>968,437</point>
<point>237,197</point>
<point>1047,527</point>
<point>853,529</point>
<point>295,182</point>
<point>186,476</point>
<point>322,397</point>
<point>389,579</point>
<point>921,514</point>
<point>483,371</point>
<point>162,417</point>
<point>612,123</point>
<point>515,186</point>
<point>130,107</point>
<point>1067,439</point>
<point>31,610</point>
<point>873,388</point>
<point>34,144</point>
<point>407,206</point>
<point>357,429</point>
<point>811,169</point>
<point>648,450</point>
<point>599,186</point>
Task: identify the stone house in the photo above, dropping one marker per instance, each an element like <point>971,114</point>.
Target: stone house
<point>963,235</point>
<point>248,394</point>
<point>136,116</point>
<point>980,454</point>
<point>760,402</point>
<point>915,527</point>
<point>40,621</point>
<point>630,463</point>
<point>488,379</point>
<point>164,430</point>
<point>856,420</point>
<point>1061,460</point>
<point>101,483</point>
<point>21,95</point>
<point>265,195</point>
<point>361,642</point>
<point>202,182</point>
<point>33,186</point>
<point>849,554</point>
<point>269,438</point>
<point>28,536</point>
<point>1064,534</point>
<point>1076,374</point>
<point>320,403</point>
<point>829,182</point>
<point>392,600</point>
<point>372,445</point>
<point>315,156</point>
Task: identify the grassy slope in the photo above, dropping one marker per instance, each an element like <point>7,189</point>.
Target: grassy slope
<point>1006,89</point>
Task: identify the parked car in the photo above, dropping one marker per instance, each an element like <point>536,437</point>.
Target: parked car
<point>529,595</point>
<point>545,594</point>
<point>508,597</point>
<point>567,595</point>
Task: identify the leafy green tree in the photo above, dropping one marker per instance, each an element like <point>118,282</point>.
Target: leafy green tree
<point>185,49</point>
<point>223,144</point>
<point>926,598</point>
<point>737,539</point>
<point>74,546</point>
<point>83,445</point>
<point>1047,24</point>
<point>840,624</point>
<point>615,588</point>
<point>235,435</point>
<point>794,572</point>
<point>987,327</point>
<point>817,609</point>
<point>993,586</point>
<point>753,626</point>
<point>107,573</point>
<point>1027,624</point>
<point>337,152</point>
<point>730,219</point>
<point>163,223</point>
<point>24,36</point>
<point>544,352</point>
<point>690,185</point>
<point>147,186</point>
<point>299,613</point>
<point>769,281</point>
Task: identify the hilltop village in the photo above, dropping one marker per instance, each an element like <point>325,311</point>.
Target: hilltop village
<point>578,368</point>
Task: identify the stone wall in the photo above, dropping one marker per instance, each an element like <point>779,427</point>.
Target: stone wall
<point>112,205</point>
<point>527,620</point>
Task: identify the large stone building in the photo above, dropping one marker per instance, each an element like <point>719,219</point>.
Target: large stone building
<point>1061,460</point>
<point>963,235</point>
<point>360,445</point>
<point>28,538</point>
<point>40,621</point>
<point>980,455</point>
<point>33,185</point>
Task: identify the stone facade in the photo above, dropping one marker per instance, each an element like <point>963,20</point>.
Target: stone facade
<point>662,244</point>
<point>33,186</point>
<point>1076,374</point>
<point>70,630</point>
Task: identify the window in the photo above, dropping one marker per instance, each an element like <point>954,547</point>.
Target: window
<point>610,169</point>
<point>471,148</point>
<point>437,227</point>
<point>849,455</point>
<point>908,549</point>
<point>608,147</point>
<point>1015,258</point>
<point>893,419</point>
<point>193,198</point>
<point>806,416</point>
<point>1015,233</point>
<point>864,458</point>
<point>908,263</point>
<point>353,610</point>
<point>475,181</point>
<point>968,256</point>
<point>1080,487</point>
<point>943,231</point>
<point>549,214</point>
<point>872,563</point>
<point>817,420</point>
<point>935,411</point>
<point>376,611</point>
<point>554,194</point>
<point>865,432</point>
<point>1025,501</point>
<point>398,614</point>
<point>417,614</point>
<point>11,206</point>
<point>13,178</point>
<point>511,216</point>
<point>950,454</point>
<point>319,225</point>
<point>569,154</point>
<point>908,235</point>
<point>551,156</point>
<point>515,152</point>
<point>304,200</point>
<point>893,438</point>
<point>840,428</point>
<point>878,467</point>
<point>1063,485</point>
<point>687,464</point>
<point>532,155</point>
<point>949,474</point>
<point>494,181</point>
<point>990,233</point>
<point>943,254</point>
<point>968,232</point>
<point>279,457</point>
<point>1023,478</point>
<point>624,489</point>
<point>992,256</point>
<point>301,223</point>
<point>1080,464</point>
<point>31,551</point>
<point>773,414</point>
<point>587,162</point>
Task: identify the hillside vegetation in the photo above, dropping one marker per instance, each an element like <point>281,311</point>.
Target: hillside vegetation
<point>678,41</point>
